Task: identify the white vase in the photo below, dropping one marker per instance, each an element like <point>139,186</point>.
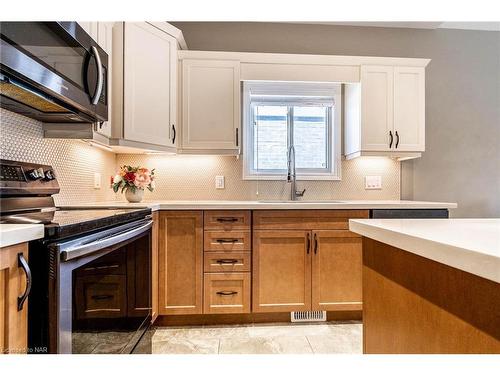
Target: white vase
<point>134,196</point>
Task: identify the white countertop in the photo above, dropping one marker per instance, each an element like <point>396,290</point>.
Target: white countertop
<point>13,234</point>
<point>272,205</point>
<point>471,245</point>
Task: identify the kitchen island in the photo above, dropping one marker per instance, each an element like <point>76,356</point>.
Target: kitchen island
<point>430,286</point>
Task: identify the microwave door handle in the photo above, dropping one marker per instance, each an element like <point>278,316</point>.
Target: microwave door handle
<point>99,244</point>
<point>100,81</point>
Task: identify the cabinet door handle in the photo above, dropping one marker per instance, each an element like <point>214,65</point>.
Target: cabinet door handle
<point>226,240</point>
<point>226,219</point>
<point>175,133</point>
<point>315,244</point>
<point>100,297</point>
<point>397,139</point>
<point>308,246</point>
<point>227,293</point>
<point>21,263</point>
<point>237,137</point>
<point>392,139</point>
<point>227,261</point>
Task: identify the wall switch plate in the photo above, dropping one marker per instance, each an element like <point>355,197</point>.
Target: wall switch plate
<point>219,182</point>
<point>373,182</point>
<point>97,180</point>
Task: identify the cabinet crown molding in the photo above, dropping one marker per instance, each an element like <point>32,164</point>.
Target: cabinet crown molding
<point>288,58</point>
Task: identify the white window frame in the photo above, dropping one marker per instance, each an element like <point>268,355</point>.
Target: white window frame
<point>293,89</point>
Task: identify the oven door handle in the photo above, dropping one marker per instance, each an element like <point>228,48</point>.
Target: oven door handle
<point>99,244</point>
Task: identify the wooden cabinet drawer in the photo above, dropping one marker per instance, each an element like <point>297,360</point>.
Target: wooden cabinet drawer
<point>227,220</point>
<point>226,293</point>
<point>226,241</point>
<point>220,261</point>
<point>306,219</point>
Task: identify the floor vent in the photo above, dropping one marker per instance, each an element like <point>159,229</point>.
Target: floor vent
<point>308,316</point>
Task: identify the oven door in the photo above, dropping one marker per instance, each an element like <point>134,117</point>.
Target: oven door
<point>103,291</point>
<point>55,70</point>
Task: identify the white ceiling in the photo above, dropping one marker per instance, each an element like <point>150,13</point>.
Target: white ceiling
<point>492,26</point>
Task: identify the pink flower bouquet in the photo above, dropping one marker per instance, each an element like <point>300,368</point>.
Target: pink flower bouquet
<point>132,178</point>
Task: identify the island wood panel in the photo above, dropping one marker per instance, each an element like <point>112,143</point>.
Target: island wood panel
<point>154,265</point>
<point>181,262</point>
<point>281,271</point>
<point>336,270</point>
<point>306,219</point>
<point>13,323</point>
<point>416,305</point>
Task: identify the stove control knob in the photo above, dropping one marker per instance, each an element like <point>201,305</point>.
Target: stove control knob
<point>34,174</point>
<point>49,175</point>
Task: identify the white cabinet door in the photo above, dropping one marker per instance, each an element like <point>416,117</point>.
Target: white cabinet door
<point>377,98</point>
<point>105,40</point>
<point>150,56</point>
<point>90,28</point>
<point>210,104</point>
<point>409,108</point>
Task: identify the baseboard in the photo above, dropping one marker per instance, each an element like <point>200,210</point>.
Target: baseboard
<point>211,319</point>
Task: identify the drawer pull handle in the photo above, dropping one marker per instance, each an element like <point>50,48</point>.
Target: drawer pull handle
<point>227,219</point>
<point>226,293</point>
<point>227,240</point>
<point>100,297</point>
<point>227,261</point>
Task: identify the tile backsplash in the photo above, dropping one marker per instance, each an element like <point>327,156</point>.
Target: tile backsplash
<point>180,177</point>
<point>193,177</point>
<point>21,139</point>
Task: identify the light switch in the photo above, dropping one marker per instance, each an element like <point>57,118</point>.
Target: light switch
<point>97,180</point>
<point>219,182</point>
<point>373,182</point>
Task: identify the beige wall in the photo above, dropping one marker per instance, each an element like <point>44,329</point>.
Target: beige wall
<point>462,161</point>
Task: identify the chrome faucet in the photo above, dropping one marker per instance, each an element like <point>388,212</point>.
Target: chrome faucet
<point>291,175</point>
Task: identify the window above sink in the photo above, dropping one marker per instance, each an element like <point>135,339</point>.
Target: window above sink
<point>277,115</point>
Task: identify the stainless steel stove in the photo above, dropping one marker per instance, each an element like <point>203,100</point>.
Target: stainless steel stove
<point>85,271</point>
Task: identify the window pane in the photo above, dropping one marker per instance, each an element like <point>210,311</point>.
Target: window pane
<point>310,135</point>
<point>270,137</point>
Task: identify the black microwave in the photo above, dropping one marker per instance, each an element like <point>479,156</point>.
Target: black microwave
<point>53,72</point>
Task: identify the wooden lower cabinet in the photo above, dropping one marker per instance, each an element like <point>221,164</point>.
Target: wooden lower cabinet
<point>281,270</point>
<point>306,270</point>
<point>13,323</point>
<point>226,293</point>
<point>180,262</point>
<point>336,270</point>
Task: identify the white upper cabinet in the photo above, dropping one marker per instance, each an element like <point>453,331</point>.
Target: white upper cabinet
<point>210,106</point>
<point>377,102</point>
<point>150,56</point>
<point>385,113</point>
<point>409,108</point>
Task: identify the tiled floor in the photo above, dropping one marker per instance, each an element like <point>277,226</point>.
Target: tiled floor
<point>276,338</point>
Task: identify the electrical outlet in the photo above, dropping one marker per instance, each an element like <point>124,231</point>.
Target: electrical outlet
<point>219,182</point>
<point>373,182</point>
<point>97,180</point>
